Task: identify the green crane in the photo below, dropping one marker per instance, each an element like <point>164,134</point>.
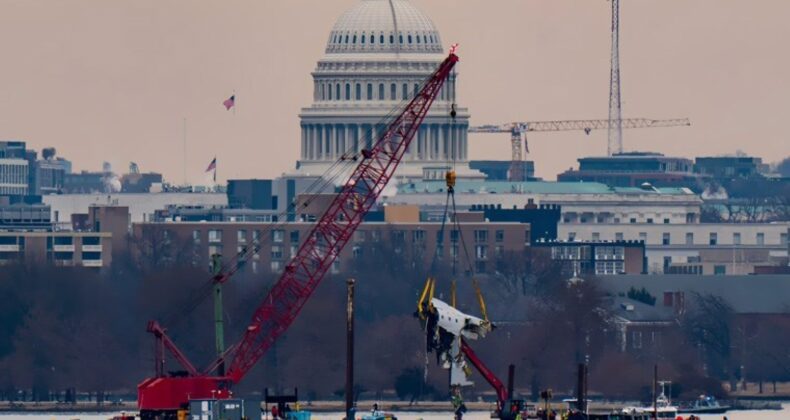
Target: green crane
<point>219,331</point>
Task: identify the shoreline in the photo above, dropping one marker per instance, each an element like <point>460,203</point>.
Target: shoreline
<point>337,406</point>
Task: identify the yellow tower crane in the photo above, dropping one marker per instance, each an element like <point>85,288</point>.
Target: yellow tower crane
<point>518,130</point>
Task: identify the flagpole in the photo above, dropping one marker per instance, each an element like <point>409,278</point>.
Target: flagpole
<point>184,135</point>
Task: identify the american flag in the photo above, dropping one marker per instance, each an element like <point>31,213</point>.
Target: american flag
<point>230,102</point>
<point>212,166</point>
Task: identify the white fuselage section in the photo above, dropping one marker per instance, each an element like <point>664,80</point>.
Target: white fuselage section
<point>458,323</point>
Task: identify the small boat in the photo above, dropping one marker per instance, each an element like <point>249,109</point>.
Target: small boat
<point>663,409</point>
<point>705,404</point>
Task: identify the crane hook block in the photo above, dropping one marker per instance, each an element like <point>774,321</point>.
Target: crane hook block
<point>449,177</point>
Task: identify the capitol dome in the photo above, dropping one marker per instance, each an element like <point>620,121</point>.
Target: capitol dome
<point>384,26</point>
<point>378,54</point>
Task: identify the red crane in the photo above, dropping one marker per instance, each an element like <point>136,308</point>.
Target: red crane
<point>164,395</point>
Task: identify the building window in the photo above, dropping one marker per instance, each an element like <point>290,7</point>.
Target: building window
<point>381,39</point>
<point>348,91</point>
<point>294,237</point>
<point>370,91</point>
<point>278,235</point>
<point>618,236</point>
<point>329,91</point>
<point>649,220</point>
<point>714,238</point>
<point>91,256</point>
<point>381,91</point>
<point>372,39</point>
<point>397,236</point>
<point>196,237</point>
<point>358,93</point>
<point>405,91</point>
<point>215,235</point>
<point>359,236</point>
<point>571,236</point>
<point>636,339</point>
<point>665,238</point>
<point>337,91</point>
<point>736,238</point>
<point>294,250</point>
<point>667,262</point>
<point>481,252</point>
<point>356,251</point>
<point>276,266</point>
<point>375,235</point>
<point>214,250</point>
<point>760,238</point>
<point>241,251</point>
<point>609,253</point>
<point>241,235</point>
<point>500,235</point>
<point>783,238</point>
<point>633,220</point>
<point>689,238</point>
<point>596,236</point>
<point>277,252</point>
<point>643,236</point>
<point>481,236</point>
<point>666,221</point>
<point>454,235</point>
<point>393,92</point>
<point>409,38</point>
<point>609,267</point>
<point>354,40</point>
<point>480,266</point>
<point>418,236</point>
<point>719,270</point>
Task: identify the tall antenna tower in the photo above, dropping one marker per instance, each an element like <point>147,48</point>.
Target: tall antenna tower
<point>615,144</point>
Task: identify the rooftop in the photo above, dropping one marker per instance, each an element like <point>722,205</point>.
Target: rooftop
<point>534,187</point>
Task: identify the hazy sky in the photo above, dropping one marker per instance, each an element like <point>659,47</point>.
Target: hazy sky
<point>113,80</point>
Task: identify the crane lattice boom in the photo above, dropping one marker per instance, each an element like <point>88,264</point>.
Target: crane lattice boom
<point>580,125</point>
<point>333,230</point>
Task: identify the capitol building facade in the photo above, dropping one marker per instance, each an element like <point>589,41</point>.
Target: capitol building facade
<point>378,54</point>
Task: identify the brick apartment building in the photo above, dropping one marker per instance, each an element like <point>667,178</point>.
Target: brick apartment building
<point>400,231</point>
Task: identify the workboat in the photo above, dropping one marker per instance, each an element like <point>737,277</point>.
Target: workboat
<point>705,404</point>
<point>663,409</point>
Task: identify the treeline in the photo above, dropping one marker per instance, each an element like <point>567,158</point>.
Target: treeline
<point>75,328</point>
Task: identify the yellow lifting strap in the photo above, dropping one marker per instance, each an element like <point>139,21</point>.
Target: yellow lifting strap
<point>424,303</point>
<point>452,293</point>
<point>480,299</point>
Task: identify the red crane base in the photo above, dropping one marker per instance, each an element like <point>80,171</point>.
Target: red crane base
<point>169,394</point>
